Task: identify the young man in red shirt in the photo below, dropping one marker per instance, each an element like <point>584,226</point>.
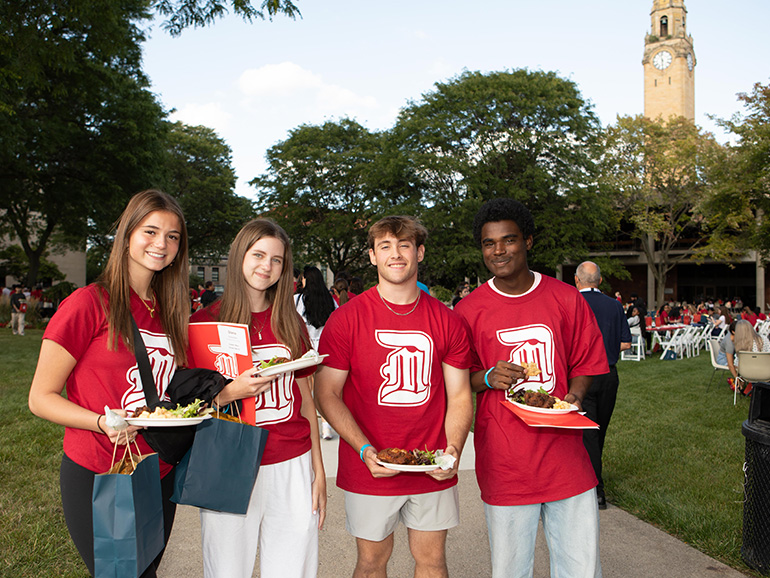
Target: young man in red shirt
<point>396,377</point>
<point>517,318</point>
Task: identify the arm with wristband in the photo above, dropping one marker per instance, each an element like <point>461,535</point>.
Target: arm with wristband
<point>329,383</point>
<point>500,376</point>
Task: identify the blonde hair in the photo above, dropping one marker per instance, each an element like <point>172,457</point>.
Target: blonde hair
<point>235,306</point>
<point>170,285</point>
<point>746,337</point>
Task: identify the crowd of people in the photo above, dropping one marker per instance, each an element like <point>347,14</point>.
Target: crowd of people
<point>400,371</point>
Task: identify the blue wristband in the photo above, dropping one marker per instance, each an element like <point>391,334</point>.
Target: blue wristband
<point>486,378</point>
<point>361,451</point>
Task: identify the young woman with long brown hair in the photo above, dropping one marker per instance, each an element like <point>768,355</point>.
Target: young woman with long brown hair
<point>89,347</point>
<point>288,502</point>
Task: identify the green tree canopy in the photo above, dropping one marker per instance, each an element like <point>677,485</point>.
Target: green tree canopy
<point>200,174</point>
<point>181,14</point>
<point>80,129</point>
<point>520,134</point>
<point>657,172</point>
<point>326,185</point>
<point>741,203</point>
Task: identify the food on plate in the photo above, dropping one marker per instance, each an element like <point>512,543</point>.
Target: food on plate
<point>312,353</point>
<point>531,369</point>
<point>538,398</point>
<point>194,409</point>
<point>271,362</point>
<point>407,458</point>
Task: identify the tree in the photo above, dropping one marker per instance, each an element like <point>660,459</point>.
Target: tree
<point>326,185</point>
<point>14,262</point>
<point>657,171</point>
<point>741,200</point>
<point>199,173</point>
<point>185,13</point>
<point>80,129</point>
<point>521,134</point>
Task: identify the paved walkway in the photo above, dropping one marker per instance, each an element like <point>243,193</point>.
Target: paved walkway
<point>629,547</point>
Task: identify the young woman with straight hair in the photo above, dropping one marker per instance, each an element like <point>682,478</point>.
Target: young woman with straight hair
<point>89,347</point>
<point>288,502</point>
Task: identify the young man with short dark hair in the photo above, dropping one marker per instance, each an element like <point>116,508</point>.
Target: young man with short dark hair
<point>523,318</point>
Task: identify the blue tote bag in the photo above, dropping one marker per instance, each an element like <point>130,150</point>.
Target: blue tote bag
<point>219,471</point>
<point>128,519</point>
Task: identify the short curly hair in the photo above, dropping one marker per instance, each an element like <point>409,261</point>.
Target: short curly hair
<point>503,209</point>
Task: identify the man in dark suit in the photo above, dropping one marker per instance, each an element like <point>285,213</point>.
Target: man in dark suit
<point>599,402</point>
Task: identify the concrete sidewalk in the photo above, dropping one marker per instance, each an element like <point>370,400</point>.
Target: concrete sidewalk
<point>629,547</point>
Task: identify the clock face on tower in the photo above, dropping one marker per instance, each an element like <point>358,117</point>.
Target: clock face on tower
<point>689,61</point>
<point>661,60</point>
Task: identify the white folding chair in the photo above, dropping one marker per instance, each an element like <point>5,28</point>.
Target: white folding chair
<point>674,343</point>
<point>691,340</point>
<point>752,367</point>
<point>714,350</point>
<point>636,353</point>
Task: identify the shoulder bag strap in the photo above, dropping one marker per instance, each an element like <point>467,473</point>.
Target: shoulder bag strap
<point>148,382</point>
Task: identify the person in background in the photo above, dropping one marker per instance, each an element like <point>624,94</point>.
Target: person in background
<point>370,397</point>
<point>88,346</point>
<point>726,353</point>
<point>528,474</point>
<point>340,291</point>
<point>721,318</point>
<point>209,295</point>
<point>746,338</point>
<point>288,502</point>
<point>299,282</point>
<point>18,310</point>
<point>599,402</point>
<point>315,304</point>
<point>761,316</point>
<point>463,290</point>
<point>749,315</point>
<point>356,286</point>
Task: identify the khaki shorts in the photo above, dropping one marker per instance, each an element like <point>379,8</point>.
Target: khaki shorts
<point>374,518</point>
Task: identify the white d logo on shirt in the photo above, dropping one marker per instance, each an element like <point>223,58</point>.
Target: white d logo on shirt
<point>407,369</point>
<point>532,344</point>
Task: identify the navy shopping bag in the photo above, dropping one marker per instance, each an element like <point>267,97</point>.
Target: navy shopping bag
<point>219,471</point>
<point>128,518</point>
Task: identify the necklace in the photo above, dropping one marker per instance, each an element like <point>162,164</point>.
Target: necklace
<point>416,303</point>
<point>261,326</point>
<point>150,309</point>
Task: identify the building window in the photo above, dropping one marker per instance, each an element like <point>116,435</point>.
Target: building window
<point>202,273</point>
<point>215,274</point>
<point>663,26</point>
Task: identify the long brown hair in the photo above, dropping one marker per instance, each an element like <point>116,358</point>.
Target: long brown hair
<point>235,306</point>
<point>170,285</point>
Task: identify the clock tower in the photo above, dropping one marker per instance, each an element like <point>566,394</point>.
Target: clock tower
<point>669,63</point>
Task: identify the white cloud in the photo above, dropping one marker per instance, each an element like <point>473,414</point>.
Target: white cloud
<point>288,84</point>
<point>209,114</point>
<point>285,78</point>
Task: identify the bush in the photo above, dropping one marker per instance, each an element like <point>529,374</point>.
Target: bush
<point>442,294</point>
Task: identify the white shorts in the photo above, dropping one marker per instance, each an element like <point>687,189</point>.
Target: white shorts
<point>280,521</point>
<point>374,518</point>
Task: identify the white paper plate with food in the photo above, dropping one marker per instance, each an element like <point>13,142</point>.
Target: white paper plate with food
<point>166,421</point>
<point>550,410</point>
<point>273,367</point>
<point>406,468</point>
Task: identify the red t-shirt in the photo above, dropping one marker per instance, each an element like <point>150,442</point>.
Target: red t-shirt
<point>395,384</point>
<point>553,326</point>
<point>278,409</point>
<point>105,377</point>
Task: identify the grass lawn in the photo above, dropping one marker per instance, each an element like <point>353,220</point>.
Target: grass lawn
<point>673,457</point>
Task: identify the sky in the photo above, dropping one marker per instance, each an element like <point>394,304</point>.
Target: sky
<point>254,83</point>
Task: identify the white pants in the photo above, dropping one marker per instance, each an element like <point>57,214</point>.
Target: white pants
<point>280,521</point>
